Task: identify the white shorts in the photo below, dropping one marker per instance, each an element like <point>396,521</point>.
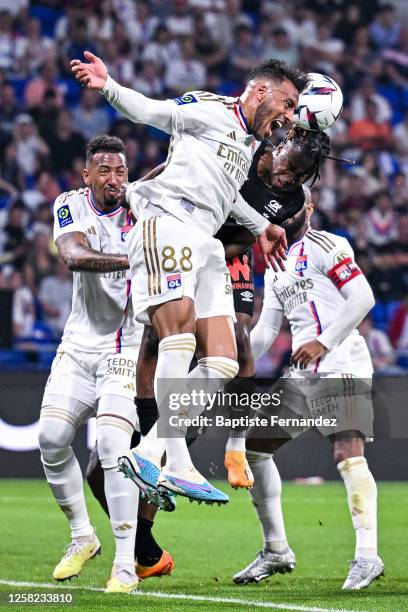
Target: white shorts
<point>334,403</point>
<point>170,258</point>
<point>88,376</point>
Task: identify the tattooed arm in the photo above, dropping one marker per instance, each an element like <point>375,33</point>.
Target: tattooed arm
<point>76,252</point>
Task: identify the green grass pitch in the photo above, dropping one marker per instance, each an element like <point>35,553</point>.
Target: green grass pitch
<point>209,545</point>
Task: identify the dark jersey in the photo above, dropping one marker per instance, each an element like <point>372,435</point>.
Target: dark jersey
<point>274,204</point>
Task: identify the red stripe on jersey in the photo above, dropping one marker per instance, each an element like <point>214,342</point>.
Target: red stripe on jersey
<point>343,272</point>
<point>239,116</point>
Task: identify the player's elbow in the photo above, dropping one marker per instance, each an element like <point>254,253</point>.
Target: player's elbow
<point>70,260</point>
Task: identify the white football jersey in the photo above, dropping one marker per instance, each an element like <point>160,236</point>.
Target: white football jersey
<point>102,317</point>
<point>308,294</point>
<point>209,156</point>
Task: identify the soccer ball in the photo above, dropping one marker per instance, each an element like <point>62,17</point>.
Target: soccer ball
<point>320,104</point>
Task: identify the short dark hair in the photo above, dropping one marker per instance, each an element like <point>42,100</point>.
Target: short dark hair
<point>104,143</point>
<point>314,145</point>
<point>278,70</point>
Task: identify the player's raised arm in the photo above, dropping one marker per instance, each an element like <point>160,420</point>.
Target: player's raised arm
<point>75,251</point>
<point>132,104</point>
<point>165,115</point>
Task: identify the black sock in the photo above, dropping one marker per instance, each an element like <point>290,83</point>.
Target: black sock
<point>147,550</point>
<point>147,412</point>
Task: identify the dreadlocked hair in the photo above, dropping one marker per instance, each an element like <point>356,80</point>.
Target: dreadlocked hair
<point>315,145</point>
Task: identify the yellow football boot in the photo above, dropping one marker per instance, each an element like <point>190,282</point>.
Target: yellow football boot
<point>121,581</point>
<point>239,472</point>
<point>78,552</point>
<point>163,567</point>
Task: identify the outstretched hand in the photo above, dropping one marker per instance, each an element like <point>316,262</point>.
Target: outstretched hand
<point>92,74</point>
<point>272,244</point>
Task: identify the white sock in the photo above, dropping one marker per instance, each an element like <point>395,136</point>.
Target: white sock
<point>61,467</point>
<point>362,501</point>
<point>114,428</point>
<point>266,497</point>
<point>175,355</point>
<point>123,500</point>
<point>210,375</point>
<point>64,476</point>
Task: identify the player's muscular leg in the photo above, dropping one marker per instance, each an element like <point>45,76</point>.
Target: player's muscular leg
<point>174,324</point>
<point>146,363</point>
<point>348,453</point>
<point>217,354</point>
<point>242,335</point>
<point>266,498</point>
<point>59,419</point>
<point>173,317</point>
<point>216,338</point>
<point>241,387</point>
<point>145,401</point>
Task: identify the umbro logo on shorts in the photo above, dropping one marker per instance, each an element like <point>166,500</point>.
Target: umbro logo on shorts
<point>247,296</point>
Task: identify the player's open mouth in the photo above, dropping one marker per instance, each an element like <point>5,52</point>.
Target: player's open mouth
<point>277,124</point>
<point>276,181</point>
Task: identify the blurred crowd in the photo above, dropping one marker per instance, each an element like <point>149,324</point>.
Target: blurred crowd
<point>163,48</point>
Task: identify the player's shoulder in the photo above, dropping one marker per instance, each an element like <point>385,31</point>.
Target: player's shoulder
<point>75,196</point>
<point>203,98</point>
<point>327,242</point>
<point>69,206</point>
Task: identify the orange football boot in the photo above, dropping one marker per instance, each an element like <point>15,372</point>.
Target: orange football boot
<point>239,472</point>
<point>163,567</point>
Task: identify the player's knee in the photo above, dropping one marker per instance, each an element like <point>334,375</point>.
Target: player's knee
<point>224,367</point>
<point>54,434</point>
<point>54,443</point>
<point>113,441</point>
<point>347,447</point>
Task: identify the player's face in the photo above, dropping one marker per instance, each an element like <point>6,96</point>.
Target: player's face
<point>105,175</point>
<point>277,103</point>
<point>289,167</point>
